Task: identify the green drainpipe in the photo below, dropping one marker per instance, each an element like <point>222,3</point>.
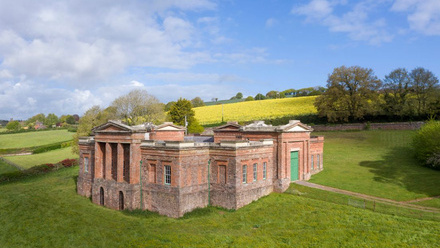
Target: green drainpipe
<point>209,184</point>
<point>140,183</point>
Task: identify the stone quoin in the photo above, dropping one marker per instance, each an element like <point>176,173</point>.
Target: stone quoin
<point>158,168</point>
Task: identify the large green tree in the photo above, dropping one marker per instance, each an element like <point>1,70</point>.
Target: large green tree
<point>424,85</point>
<point>138,107</point>
<point>13,126</point>
<point>396,89</point>
<point>351,94</point>
<point>51,119</point>
<point>183,109</point>
<point>197,102</point>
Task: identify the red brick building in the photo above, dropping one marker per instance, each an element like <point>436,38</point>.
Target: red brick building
<point>159,169</point>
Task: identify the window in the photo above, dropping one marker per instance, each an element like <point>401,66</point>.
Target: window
<point>313,166</point>
<point>244,173</point>
<point>167,169</point>
<point>264,170</point>
<point>86,164</point>
<point>318,164</point>
<point>255,172</point>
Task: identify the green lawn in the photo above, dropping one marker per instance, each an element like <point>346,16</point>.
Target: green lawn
<point>29,139</point>
<point>6,168</point>
<point>27,161</point>
<point>45,211</point>
<point>430,203</point>
<point>378,163</point>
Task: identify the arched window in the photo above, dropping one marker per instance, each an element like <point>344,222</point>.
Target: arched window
<point>121,200</point>
<point>101,196</point>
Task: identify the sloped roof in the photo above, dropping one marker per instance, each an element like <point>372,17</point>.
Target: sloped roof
<point>295,126</point>
<point>117,126</point>
<point>169,126</point>
<point>230,126</point>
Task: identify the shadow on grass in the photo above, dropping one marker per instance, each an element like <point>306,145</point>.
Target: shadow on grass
<point>399,167</point>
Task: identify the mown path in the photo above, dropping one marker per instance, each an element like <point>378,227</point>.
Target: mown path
<point>373,198</point>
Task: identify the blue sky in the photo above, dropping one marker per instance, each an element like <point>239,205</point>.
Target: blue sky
<point>63,57</point>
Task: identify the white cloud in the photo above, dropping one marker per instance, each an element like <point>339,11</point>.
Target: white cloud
<point>356,22</point>
<point>271,22</point>
<point>424,15</point>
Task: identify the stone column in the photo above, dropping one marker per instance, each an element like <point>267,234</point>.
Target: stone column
<point>98,161</point>
<point>108,161</point>
<point>120,163</point>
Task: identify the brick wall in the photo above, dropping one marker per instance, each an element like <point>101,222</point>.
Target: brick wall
<point>373,126</point>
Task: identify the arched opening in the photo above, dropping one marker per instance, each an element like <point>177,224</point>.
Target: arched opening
<point>101,196</point>
<point>121,200</point>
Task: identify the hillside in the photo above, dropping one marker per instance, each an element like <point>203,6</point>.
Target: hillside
<point>45,211</point>
<point>255,110</point>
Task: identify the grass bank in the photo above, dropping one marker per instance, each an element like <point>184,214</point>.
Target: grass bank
<point>31,139</point>
<point>376,162</point>
<point>27,161</point>
<point>45,211</point>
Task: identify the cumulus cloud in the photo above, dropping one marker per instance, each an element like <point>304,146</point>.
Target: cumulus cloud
<point>357,22</point>
<point>424,15</point>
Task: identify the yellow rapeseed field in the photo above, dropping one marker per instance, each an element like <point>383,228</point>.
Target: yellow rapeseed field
<point>256,110</point>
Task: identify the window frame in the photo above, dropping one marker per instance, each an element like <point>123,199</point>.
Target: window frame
<point>244,173</point>
<point>312,162</point>
<point>264,170</point>
<point>167,174</point>
<point>86,160</point>
<point>318,157</point>
<point>255,172</point>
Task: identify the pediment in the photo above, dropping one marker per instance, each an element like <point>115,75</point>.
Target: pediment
<point>112,126</point>
<point>228,127</point>
<point>169,126</point>
<point>296,126</point>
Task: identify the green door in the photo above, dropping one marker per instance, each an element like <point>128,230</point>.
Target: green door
<point>293,166</point>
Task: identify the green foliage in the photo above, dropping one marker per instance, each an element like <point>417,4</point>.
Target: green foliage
<point>424,85</point>
<point>239,95</point>
<point>396,92</point>
<point>352,94</point>
<point>13,126</point>
<point>51,120</point>
<point>138,107</point>
<point>259,96</point>
<point>93,117</point>
<point>50,147</point>
<point>426,144</point>
<point>168,105</point>
<point>39,117</point>
<point>249,98</point>
<point>181,109</point>
<point>197,102</point>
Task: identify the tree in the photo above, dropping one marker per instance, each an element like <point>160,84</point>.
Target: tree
<point>93,117</point>
<point>395,90</point>
<point>273,94</point>
<point>13,126</point>
<point>197,102</point>
<point>70,119</point>
<point>239,95</point>
<point>260,96</point>
<point>39,117</point>
<point>181,109</point>
<point>423,84</point>
<point>51,120</point>
<point>249,98</point>
<point>168,105</point>
<point>138,107</point>
<point>426,144</point>
<point>351,94</point>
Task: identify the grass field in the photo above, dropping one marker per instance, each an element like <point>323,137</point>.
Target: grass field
<point>45,211</point>
<point>255,110</point>
<point>27,161</point>
<point>6,168</point>
<point>378,163</point>
<point>29,139</point>
<point>430,203</point>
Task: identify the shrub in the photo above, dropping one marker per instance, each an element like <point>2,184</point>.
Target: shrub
<point>426,144</point>
<point>69,162</point>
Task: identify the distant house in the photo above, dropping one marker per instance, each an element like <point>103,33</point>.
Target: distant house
<point>39,125</point>
<point>159,169</point>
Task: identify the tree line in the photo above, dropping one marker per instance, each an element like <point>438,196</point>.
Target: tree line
<point>356,93</point>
